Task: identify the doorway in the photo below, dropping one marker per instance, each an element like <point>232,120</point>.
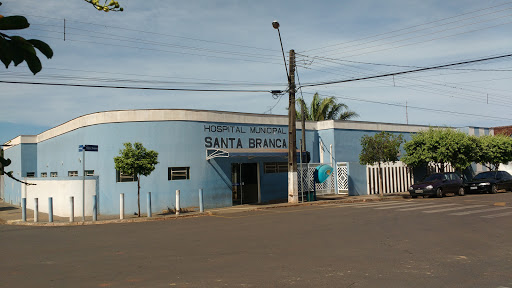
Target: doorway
<point>244,179</point>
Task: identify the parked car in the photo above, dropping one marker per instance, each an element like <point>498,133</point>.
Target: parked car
<point>438,184</point>
<point>490,182</point>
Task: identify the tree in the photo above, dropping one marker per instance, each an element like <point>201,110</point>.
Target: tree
<point>380,148</point>
<point>136,160</point>
<point>324,109</point>
<point>16,49</point>
<point>112,5</point>
<point>440,146</point>
<point>493,150</point>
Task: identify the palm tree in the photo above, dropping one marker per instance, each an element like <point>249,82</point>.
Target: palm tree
<point>324,109</point>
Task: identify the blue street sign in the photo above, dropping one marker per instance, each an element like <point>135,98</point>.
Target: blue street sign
<point>93,148</point>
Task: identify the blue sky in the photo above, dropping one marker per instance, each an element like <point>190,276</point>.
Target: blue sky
<point>230,45</point>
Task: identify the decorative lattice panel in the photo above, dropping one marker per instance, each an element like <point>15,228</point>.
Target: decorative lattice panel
<point>342,173</point>
<point>306,174</point>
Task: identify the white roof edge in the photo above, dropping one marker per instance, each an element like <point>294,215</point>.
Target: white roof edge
<point>152,115</point>
<point>25,139</point>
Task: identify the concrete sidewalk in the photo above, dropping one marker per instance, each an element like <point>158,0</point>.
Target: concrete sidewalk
<point>12,215</point>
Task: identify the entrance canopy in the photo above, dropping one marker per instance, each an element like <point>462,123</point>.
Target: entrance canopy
<point>252,153</point>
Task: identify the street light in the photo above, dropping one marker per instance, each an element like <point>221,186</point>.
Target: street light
<point>275,24</point>
<point>293,194</point>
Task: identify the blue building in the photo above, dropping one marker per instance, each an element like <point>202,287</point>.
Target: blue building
<point>236,158</point>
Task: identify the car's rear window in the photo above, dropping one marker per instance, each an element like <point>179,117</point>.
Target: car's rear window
<point>434,177</point>
<point>485,175</point>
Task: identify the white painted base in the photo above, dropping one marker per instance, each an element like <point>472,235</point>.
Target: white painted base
<point>293,188</point>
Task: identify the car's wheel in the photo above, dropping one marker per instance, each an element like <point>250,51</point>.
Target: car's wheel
<point>461,191</point>
<point>439,193</point>
<point>494,189</point>
<point>414,196</point>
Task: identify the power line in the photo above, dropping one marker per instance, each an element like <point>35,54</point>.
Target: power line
<point>167,51</point>
<point>415,107</point>
<point>408,71</point>
<point>133,88</point>
<point>157,33</point>
<point>119,80</point>
<point>425,41</point>
<point>410,27</point>
<point>337,61</point>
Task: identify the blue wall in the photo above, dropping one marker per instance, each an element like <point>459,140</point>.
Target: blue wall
<point>179,143</point>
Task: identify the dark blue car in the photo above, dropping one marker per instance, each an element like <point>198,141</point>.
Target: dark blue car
<point>490,182</point>
<point>438,184</point>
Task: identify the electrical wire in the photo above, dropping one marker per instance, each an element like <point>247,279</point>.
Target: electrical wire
<point>410,27</point>
<point>156,33</point>
<point>416,107</point>
<point>408,71</point>
<point>131,87</point>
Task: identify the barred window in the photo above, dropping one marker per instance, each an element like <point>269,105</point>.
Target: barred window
<point>72,173</point>
<point>89,172</point>
<point>120,177</point>
<point>276,167</point>
<point>53,174</point>
<point>31,174</point>
<point>178,173</point>
<point>44,174</point>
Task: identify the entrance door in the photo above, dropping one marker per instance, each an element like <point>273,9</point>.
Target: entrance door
<point>244,178</point>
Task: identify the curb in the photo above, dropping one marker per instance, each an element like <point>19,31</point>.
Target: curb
<point>101,222</point>
<point>18,222</point>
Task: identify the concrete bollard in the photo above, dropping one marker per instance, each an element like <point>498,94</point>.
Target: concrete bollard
<point>50,209</point>
<point>121,206</point>
<point>24,209</point>
<point>149,205</point>
<point>36,209</point>
<point>94,208</point>
<point>72,211</point>
<point>201,207</point>
<point>177,202</point>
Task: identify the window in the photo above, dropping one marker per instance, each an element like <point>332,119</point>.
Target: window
<point>89,172</point>
<point>44,174</point>
<point>31,174</point>
<point>276,167</point>
<point>178,173</point>
<point>120,177</point>
<point>72,173</point>
<point>53,174</point>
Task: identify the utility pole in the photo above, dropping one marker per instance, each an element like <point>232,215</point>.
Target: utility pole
<point>293,187</point>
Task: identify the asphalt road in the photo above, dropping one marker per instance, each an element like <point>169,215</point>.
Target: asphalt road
<point>384,244</point>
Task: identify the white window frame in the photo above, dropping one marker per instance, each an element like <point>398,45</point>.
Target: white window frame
<point>178,173</point>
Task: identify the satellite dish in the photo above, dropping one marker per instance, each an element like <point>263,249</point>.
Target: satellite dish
<point>322,172</point>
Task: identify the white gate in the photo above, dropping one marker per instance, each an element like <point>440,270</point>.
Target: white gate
<point>306,178</point>
<point>342,174</point>
<point>396,177</point>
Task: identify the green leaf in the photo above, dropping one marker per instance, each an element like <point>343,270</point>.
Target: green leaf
<point>5,52</point>
<point>43,47</point>
<point>33,62</point>
<point>13,23</point>
<point>21,43</point>
<point>17,55</point>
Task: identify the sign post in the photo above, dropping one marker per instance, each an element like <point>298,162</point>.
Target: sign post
<point>83,148</point>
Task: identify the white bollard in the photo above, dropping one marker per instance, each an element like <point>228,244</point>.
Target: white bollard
<point>177,202</point>
<point>121,206</point>
<point>72,214</point>
<point>36,210</point>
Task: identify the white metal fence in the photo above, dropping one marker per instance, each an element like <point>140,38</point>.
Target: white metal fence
<point>396,177</point>
<point>337,183</point>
